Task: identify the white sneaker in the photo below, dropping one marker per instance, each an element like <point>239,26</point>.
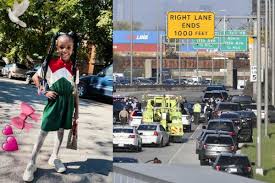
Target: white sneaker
<point>29,171</point>
<point>57,163</point>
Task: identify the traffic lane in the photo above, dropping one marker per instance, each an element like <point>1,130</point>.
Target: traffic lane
<point>189,94</point>
<point>92,161</point>
<point>165,154</point>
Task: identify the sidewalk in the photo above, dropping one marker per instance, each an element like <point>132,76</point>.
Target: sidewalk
<point>92,162</point>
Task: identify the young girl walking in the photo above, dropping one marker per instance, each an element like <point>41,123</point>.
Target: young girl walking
<point>61,109</point>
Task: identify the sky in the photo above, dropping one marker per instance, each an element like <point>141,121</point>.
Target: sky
<point>151,12</point>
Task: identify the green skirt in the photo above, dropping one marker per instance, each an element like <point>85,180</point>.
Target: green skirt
<point>58,113</point>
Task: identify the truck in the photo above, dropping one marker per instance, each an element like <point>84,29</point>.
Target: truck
<point>165,110</point>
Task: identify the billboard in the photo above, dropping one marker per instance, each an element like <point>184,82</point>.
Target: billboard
<point>139,37</point>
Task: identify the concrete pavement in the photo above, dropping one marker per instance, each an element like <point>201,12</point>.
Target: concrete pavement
<point>92,162</point>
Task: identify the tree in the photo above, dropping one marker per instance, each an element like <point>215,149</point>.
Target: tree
<point>123,25</point>
<point>91,20</point>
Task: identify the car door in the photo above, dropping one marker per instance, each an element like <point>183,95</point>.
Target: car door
<point>245,132</point>
<point>164,134</point>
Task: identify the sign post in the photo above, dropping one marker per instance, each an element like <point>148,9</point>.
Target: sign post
<point>190,25</point>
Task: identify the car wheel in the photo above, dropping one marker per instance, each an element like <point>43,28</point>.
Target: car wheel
<point>203,162</point>
<point>140,148</point>
<point>161,143</point>
<point>9,75</point>
<point>82,90</point>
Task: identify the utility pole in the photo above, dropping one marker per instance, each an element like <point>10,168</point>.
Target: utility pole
<point>272,56</point>
<point>259,170</point>
<point>160,61</point>
<point>179,65</point>
<point>266,68</point>
<point>131,59</point>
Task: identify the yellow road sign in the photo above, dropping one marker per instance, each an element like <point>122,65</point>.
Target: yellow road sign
<point>190,25</point>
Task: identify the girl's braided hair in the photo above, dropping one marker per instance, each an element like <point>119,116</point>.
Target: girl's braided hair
<point>52,49</point>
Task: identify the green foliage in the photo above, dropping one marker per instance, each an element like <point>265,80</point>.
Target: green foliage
<point>123,25</point>
<point>92,20</point>
<point>268,155</point>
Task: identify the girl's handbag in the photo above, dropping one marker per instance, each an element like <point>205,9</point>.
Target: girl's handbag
<point>72,137</point>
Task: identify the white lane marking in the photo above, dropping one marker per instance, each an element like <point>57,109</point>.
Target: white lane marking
<point>173,157</point>
<point>196,131</point>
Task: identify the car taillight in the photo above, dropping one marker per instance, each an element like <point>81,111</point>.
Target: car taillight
<point>232,134</point>
<point>248,168</point>
<point>204,146</point>
<point>218,168</point>
<point>155,133</point>
<point>132,136</point>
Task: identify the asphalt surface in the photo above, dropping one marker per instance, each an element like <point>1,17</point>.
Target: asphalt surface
<point>92,162</point>
<point>171,154</point>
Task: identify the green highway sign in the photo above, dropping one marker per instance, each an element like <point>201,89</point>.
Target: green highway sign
<point>235,42</point>
<point>206,43</point>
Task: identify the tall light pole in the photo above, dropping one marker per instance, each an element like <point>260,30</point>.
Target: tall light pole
<point>273,52</point>
<point>272,56</point>
<point>131,59</point>
<point>224,29</point>
<point>266,67</point>
<point>259,170</point>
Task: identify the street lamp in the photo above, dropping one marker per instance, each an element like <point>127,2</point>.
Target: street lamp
<point>224,29</point>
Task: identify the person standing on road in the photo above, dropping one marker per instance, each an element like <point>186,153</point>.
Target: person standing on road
<point>123,116</point>
<point>196,112</point>
<point>62,106</point>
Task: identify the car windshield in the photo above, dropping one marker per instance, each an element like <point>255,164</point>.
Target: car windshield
<point>229,116</point>
<point>218,140</point>
<point>241,99</point>
<point>227,160</point>
<point>231,107</point>
<point>147,127</point>
<point>123,130</point>
<point>247,114</point>
<point>210,88</point>
<point>219,125</point>
<point>210,95</point>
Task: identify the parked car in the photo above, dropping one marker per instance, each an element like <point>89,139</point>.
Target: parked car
<point>215,144</point>
<point>253,108</point>
<point>153,134</point>
<point>216,94</point>
<point>14,70</point>
<point>124,160</point>
<point>126,137</point>
<point>223,125</point>
<point>30,73</point>
<point>203,134</point>
<point>97,85</point>
<point>245,131</point>
<point>2,65</point>
<point>249,116</point>
<point>241,99</point>
<point>215,87</point>
<point>237,164</point>
<point>225,106</point>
